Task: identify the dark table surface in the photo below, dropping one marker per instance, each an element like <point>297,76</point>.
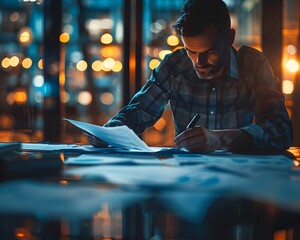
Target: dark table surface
<point>254,201</point>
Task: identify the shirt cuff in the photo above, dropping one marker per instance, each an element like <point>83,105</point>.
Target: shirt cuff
<point>257,133</point>
<point>113,123</point>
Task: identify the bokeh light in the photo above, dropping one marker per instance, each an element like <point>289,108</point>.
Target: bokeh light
<point>64,37</point>
<point>173,40</point>
<point>154,63</point>
<point>292,65</point>
<point>65,97</point>
<point>14,17</point>
<point>14,61</point>
<point>5,62</point>
<point>106,38</point>
<point>20,96</point>
<point>107,98</point>
<point>81,65</point>
<point>41,64</point>
<point>287,87</point>
<point>107,52</point>
<point>109,63</point>
<point>97,66</point>
<point>117,67</point>
<point>85,98</point>
<point>163,53</point>
<point>27,63</point>
<point>38,81</point>
<point>291,49</point>
<point>25,36</point>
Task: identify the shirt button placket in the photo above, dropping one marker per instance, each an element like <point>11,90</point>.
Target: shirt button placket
<point>212,108</point>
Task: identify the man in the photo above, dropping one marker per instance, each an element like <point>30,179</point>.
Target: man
<point>234,92</point>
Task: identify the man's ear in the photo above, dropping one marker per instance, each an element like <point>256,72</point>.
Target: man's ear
<point>231,36</point>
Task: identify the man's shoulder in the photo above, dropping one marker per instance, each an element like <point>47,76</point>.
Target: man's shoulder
<point>249,58</point>
<point>250,52</point>
<point>178,61</point>
<point>177,54</point>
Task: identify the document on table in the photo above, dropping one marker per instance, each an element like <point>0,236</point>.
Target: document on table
<point>119,136</point>
<point>66,148</point>
<point>112,159</point>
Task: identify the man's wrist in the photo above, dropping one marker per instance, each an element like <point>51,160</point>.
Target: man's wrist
<point>234,139</point>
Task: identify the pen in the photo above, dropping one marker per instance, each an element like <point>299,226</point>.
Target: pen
<point>193,121</point>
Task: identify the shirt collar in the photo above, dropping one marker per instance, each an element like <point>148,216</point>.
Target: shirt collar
<point>233,69</point>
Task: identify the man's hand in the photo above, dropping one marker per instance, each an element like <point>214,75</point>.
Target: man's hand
<point>96,142</point>
<point>198,139</point>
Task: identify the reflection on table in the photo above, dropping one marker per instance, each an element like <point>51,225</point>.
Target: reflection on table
<point>122,195</point>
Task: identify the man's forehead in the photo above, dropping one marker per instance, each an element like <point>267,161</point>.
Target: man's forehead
<point>209,35</point>
<point>200,41</point>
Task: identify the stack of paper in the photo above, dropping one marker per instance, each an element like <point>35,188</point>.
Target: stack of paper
<point>120,136</point>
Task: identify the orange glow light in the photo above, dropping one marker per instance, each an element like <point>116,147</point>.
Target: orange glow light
<point>5,62</point>
<point>6,121</point>
<point>117,67</point>
<point>176,48</point>
<point>10,98</point>
<point>41,64</point>
<point>107,98</point>
<point>107,52</point>
<point>27,63</point>
<point>106,38</point>
<point>172,40</point>
<point>64,182</point>
<point>64,97</point>
<point>296,163</point>
<point>163,53</point>
<point>62,157</point>
<point>25,36</point>
<point>160,124</point>
<point>64,37</point>
<point>292,65</point>
<point>20,96</point>
<point>154,63</point>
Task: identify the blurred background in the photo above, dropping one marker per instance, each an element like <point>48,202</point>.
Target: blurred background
<point>84,60</point>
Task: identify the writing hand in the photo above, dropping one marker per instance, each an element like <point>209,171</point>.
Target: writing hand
<point>96,142</point>
<point>198,139</point>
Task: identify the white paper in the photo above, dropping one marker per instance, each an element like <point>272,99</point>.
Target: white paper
<point>64,148</point>
<point>119,136</point>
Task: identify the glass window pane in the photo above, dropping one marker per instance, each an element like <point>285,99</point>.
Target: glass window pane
<point>21,26</point>
<point>92,50</point>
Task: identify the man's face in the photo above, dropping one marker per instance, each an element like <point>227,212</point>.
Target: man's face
<point>209,53</point>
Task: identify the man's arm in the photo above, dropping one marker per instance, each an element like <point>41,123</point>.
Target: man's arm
<point>200,139</point>
<point>272,127</point>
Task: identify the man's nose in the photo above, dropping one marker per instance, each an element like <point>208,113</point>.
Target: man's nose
<point>201,58</point>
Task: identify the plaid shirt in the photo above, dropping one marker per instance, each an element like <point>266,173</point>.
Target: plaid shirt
<point>246,98</point>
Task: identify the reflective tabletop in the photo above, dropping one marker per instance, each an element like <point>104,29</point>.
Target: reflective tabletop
<point>142,196</point>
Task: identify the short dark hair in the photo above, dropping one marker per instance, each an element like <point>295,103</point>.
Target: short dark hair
<point>196,15</point>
